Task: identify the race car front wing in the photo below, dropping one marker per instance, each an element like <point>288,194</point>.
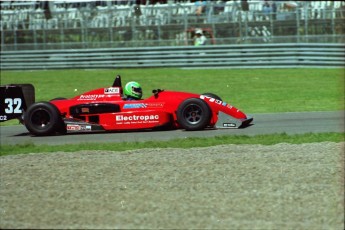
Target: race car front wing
<point>226,121</point>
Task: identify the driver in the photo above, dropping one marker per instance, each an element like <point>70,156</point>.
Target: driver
<point>133,91</point>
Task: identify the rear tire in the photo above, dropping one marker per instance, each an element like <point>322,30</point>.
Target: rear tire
<point>193,114</point>
<point>43,118</point>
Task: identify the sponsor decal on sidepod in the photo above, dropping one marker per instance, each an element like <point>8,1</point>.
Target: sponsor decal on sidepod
<point>137,118</point>
<point>143,105</point>
<point>91,97</point>
<point>71,127</point>
<point>134,106</point>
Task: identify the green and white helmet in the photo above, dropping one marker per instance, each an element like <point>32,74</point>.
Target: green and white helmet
<point>133,89</point>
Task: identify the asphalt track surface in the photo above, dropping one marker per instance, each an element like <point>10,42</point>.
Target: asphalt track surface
<point>269,123</point>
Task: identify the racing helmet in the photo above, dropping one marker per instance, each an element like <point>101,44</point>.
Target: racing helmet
<point>133,89</point>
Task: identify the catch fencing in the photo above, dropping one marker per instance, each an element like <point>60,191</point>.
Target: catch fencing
<point>284,55</point>
<point>43,25</point>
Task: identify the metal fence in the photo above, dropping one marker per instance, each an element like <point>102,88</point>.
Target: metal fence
<point>285,55</point>
<point>58,25</point>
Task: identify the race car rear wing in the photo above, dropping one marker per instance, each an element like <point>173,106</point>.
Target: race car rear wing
<point>14,100</point>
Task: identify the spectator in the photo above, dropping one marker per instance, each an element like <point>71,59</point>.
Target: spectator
<point>200,7</point>
<point>45,6</point>
<point>199,38</point>
<point>219,7</point>
<point>137,13</point>
<point>267,9</point>
<point>244,5</point>
<point>274,9</point>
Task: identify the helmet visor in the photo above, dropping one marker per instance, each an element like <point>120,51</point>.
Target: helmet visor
<point>137,90</point>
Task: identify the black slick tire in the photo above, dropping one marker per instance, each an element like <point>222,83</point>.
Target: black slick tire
<point>42,119</point>
<point>193,114</point>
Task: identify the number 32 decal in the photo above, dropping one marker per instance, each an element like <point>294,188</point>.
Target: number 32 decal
<point>13,105</point>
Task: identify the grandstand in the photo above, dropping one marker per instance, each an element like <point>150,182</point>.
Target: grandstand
<point>111,24</point>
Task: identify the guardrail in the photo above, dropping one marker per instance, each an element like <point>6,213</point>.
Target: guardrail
<point>287,55</point>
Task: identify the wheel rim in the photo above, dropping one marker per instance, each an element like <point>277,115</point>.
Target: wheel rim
<point>40,118</point>
<point>193,114</point>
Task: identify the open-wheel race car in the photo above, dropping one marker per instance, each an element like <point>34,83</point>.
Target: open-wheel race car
<point>106,109</point>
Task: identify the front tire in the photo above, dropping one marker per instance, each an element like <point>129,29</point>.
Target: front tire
<point>43,118</point>
<point>193,114</point>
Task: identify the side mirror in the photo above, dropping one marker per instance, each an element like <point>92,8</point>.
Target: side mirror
<point>156,92</point>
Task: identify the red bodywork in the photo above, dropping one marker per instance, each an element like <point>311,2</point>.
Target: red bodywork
<point>156,111</point>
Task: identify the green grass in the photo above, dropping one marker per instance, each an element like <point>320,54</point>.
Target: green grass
<point>180,143</point>
<point>253,91</point>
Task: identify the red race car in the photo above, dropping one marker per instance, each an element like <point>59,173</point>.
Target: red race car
<point>106,109</point>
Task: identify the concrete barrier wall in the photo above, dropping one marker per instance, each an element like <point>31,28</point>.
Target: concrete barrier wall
<point>285,55</point>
